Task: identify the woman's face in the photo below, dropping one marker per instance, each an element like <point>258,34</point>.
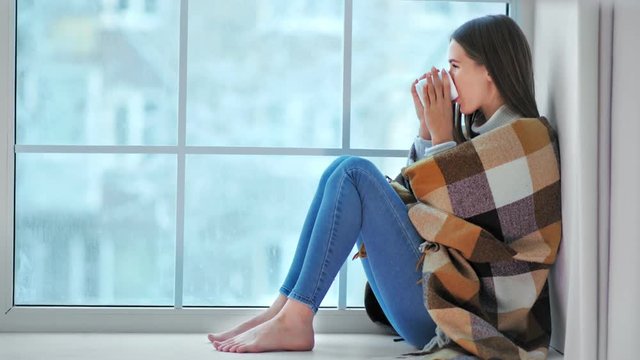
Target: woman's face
<point>475,87</point>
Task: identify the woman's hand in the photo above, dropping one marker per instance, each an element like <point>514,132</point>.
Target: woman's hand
<point>424,130</point>
<point>438,113</point>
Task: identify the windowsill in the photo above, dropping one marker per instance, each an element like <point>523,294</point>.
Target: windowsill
<point>190,346</point>
<point>164,320</point>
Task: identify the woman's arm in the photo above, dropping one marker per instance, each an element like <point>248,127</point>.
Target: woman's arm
<point>422,148</point>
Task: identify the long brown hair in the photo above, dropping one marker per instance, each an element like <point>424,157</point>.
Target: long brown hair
<point>498,43</point>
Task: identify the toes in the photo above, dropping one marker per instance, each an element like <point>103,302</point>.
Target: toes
<point>240,347</point>
<point>226,345</point>
<point>219,345</point>
<point>245,348</point>
<point>211,337</point>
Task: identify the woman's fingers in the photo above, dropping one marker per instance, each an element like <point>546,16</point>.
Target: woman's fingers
<point>413,86</point>
<point>429,93</point>
<point>437,84</point>
<point>414,94</point>
<point>440,84</point>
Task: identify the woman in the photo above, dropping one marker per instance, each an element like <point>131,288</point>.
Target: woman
<point>490,64</point>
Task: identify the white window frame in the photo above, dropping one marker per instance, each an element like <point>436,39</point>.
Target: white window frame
<point>153,319</point>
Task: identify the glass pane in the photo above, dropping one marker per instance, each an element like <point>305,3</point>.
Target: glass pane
<point>96,73</point>
<point>356,277</point>
<point>356,280</point>
<point>265,73</point>
<point>95,229</point>
<point>243,217</point>
<point>394,42</point>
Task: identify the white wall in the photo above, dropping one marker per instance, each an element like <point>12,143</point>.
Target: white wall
<point>624,282</point>
<point>586,58</point>
<point>565,65</point>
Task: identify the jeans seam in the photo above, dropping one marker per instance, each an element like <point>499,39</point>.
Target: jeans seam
<point>331,235</point>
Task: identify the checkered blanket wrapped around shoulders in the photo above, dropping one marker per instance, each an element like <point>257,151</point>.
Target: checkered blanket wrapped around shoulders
<point>490,213</point>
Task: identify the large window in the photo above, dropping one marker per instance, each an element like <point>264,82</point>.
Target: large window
<point>165,154</point>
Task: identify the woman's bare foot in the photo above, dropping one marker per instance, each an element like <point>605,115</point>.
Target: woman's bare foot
<point>290,330</point>
<point>266,315</point>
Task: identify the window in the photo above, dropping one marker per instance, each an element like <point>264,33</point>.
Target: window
<point>150,6</point>
<point>123,5</point>
<point>147,169</point>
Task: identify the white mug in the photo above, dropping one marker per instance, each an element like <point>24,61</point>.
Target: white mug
<point>422,83</point>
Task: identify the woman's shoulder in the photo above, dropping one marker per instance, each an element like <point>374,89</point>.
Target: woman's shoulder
<point>535,127</point>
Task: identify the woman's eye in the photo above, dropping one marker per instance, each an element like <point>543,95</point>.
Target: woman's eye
<point>454,66</point>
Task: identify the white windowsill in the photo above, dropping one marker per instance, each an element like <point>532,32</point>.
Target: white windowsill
<point>164,320</point>
<point>190,346</point>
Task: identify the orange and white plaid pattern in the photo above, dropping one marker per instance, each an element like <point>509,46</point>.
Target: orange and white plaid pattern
<point>490,212</point>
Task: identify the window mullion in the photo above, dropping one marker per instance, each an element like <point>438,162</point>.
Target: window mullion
<point>7,155</point>
<point>346,75</point>
<point>346,125</point>
<point>181,160</point>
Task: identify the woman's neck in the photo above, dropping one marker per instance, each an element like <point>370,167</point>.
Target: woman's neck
<point>493,102</point>
<point>490,109</point>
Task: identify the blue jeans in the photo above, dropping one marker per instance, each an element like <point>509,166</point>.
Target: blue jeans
<point>355,203</point>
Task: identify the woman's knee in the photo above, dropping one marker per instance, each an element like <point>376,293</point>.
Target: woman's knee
<point>347,162</point>
<point>332,167</point>
<point>340,159</point>
<point>355,162</point>
<point>344,166</point>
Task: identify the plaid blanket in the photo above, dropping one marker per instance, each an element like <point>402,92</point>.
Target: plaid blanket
<point>490,212</point>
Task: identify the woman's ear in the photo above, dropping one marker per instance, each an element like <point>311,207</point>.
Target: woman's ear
<point>487,76</point>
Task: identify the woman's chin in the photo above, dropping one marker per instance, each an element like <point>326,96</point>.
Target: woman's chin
<point>466,111</point>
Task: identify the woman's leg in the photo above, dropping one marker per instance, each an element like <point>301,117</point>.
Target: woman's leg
<point>392,249</point>
<point>389,277</point>
<point>357,197</point>
<point>307,229</point>
<point>296,265</point>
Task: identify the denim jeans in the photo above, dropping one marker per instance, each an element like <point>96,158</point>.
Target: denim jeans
<point>355,203</point>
